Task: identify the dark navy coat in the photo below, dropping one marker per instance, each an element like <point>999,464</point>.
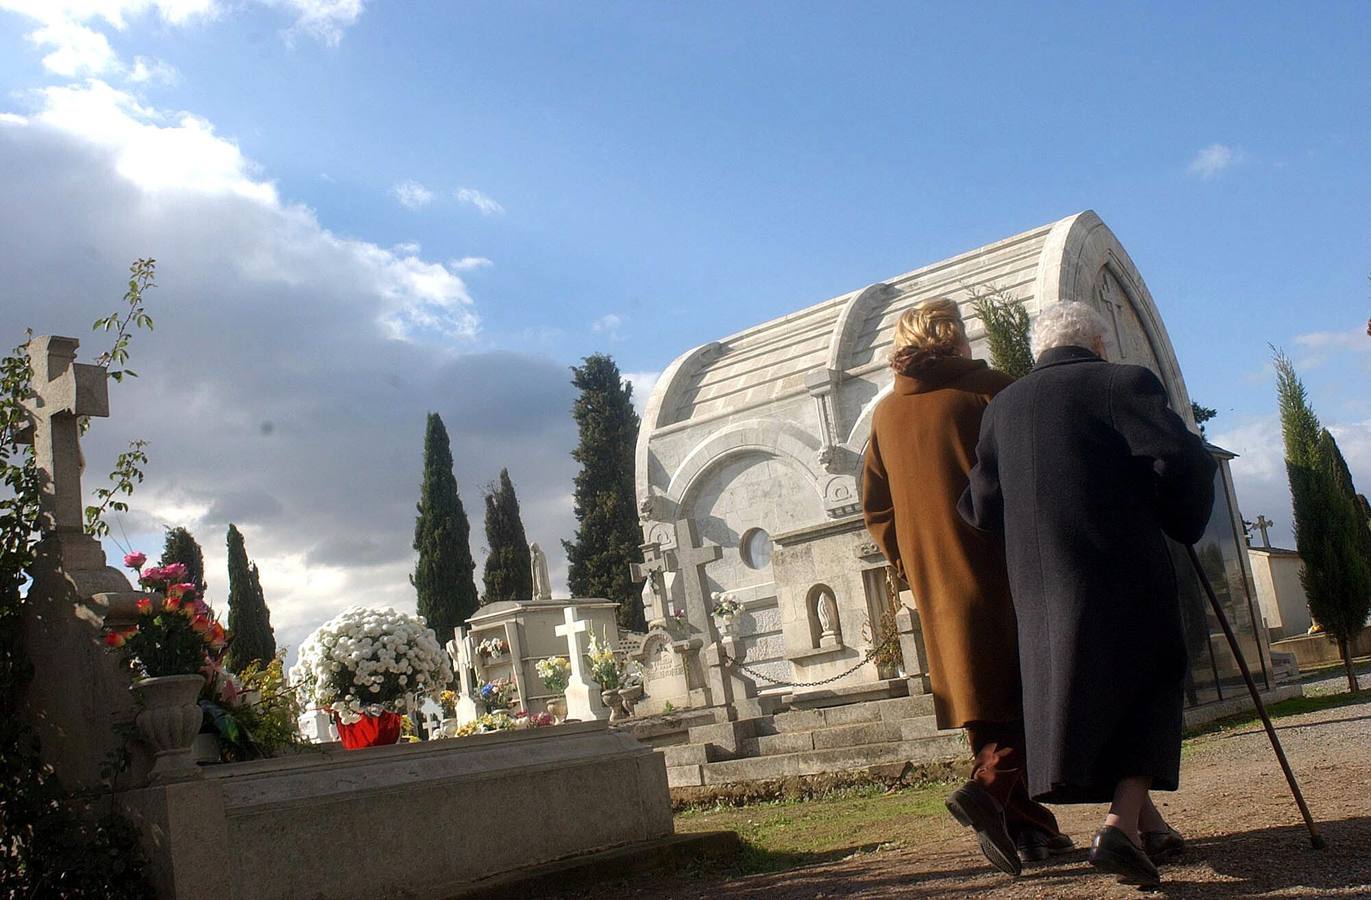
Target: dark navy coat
<point>1084,469</point>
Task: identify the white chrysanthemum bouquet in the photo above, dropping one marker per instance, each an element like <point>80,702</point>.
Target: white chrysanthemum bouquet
<point>366,661</point>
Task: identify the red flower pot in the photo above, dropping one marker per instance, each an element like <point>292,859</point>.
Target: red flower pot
<point>369,731</point>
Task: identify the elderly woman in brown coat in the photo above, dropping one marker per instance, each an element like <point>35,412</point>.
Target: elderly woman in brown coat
<point>923,444</point>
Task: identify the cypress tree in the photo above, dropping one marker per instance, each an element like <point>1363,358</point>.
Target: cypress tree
<point>1327,524</point>
<point>509,567</point>
<point>248,618</point>
<point>607,535</point>
<point>1006,330</point>
<point>182,547</point>
<point>444,577</point>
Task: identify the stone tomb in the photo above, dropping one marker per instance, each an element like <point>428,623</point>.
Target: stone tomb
<point>529,632</point>
<point>412,820</point>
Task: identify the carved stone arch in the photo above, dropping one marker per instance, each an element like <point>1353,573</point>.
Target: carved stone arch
<point>771,437</point>
<point>1077,253</point>
<point>851,320</point>
<point>666,394</point>
<point>860,435</point>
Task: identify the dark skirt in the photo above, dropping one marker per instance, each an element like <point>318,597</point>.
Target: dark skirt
<point>1143,740</point>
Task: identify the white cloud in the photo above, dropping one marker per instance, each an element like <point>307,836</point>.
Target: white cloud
<point>325,20</point>
<point>468,263</point>
<point>77,50</point>
<point>407,248</point>
<point>412,194</point>
<point>148,70</point>
<point>13,119</point>
<point>642,382</point>
<point>1213,160</point>
<point>609,325</point>
<point>1320,346</point>
<point>486,204</point>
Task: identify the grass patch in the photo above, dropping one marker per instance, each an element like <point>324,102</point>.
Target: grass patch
<point>1293,707</point>
<point>784,834</point>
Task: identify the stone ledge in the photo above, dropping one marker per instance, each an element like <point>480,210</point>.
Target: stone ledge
<point>1196,716</point>
<point>669,853</point>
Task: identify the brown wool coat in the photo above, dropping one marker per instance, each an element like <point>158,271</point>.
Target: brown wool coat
<point>923,444</point>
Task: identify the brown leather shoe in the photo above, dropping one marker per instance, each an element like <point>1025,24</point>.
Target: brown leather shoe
<point>1036,845</point>
<point>972,806</point>
<point>1163,846</point>
<point>1112,851</point>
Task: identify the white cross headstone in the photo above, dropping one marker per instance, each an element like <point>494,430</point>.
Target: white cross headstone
<point>462,653</point>
<point>582,696</point>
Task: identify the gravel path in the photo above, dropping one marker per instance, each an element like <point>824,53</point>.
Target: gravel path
<point>1245,834</point>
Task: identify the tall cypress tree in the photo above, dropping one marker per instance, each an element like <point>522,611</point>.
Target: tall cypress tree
<point>509,567</point>
<point>248,618</point>
<point>1336,576</point>
<point>445,575</point>
<point>182,547</point>
<point>607,537</point>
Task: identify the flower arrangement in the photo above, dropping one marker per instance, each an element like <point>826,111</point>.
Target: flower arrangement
<point>175,632</point>
<point>494,648</point>
<point>555,672</point>
<point>368,661</point>
<point>605,667</point>
<point>536,720</point>
<point>678,614</point>
<point>726,605</point>
<point>448,701</point>
<point>485,724</point>
<point>255,713</point>
<point>495,694</point>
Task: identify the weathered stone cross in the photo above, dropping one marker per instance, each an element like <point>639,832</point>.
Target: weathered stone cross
<point>63,391</point>
<point>1106,295</point>
<point>1261,525</point>
<point>690,560</point>
<point>582,698</point>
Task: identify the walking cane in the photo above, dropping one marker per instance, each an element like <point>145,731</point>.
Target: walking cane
<point>1315,839</point>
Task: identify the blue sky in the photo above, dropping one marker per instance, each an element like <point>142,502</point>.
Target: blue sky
<point>640,178</point>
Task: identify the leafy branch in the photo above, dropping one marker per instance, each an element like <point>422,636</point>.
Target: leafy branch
<point>128,471</point>
<point>1006,328</point>
<point>142,276</point>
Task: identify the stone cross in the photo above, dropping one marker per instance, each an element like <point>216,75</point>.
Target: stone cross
<point>651,569</point>
<point>582,698</point>
<point>63,391</point>
<point>459,648</point>
<point>1262,524</point>
<point>690,560</point>
<point>542,584</point>
<point>1106,295</point>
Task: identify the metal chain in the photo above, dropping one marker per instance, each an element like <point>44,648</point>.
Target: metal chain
<point>871,654</point>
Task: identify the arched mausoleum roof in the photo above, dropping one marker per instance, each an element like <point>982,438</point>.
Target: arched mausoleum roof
<point>852,333</point>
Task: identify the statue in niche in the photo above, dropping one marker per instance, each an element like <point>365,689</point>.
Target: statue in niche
<point>542,584</point>
<point>826,611</point>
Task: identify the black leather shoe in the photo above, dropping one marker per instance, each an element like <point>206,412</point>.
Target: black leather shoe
<point>1035,845</point>
<point>973,807</point>
<point>1163,846</point>
<point>1113,852</point>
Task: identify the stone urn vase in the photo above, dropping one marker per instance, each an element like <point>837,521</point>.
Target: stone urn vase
<point>168,720</point>
<point>449,727</point>
<point>556,707</point>
<point>615,701</point>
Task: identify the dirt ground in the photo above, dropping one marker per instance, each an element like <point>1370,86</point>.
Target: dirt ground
<point>1244,832</point>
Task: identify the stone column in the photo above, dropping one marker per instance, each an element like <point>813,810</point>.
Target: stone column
<point>912,649</point>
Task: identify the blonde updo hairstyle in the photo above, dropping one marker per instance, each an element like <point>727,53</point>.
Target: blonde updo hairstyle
<point>932,330</point>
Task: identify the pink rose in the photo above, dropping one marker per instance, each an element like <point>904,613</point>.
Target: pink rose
<point>174,572</point>
<point>135,560</point>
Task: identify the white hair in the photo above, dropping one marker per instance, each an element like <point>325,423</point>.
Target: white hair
<point>1072,324</point>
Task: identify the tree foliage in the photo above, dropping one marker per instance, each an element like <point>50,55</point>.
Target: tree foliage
<point>607,535</point>
<point>1006,329</point>
<point>1329,528</point>
<point>181,546</point>
<point>249,620</point>
<point>444,577</point>
<point>509,568</point>
<point>1202,414</point>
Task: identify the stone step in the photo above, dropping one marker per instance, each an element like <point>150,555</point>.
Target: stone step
<point>911,729</point>
<point>814,762</point>
<point>684,776</point>
<point>891,710</point>
<point>685,754</point>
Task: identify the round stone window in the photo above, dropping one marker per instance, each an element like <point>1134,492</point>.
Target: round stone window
<point>755,548</point>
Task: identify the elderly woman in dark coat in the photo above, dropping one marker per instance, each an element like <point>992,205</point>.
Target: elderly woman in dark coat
<point>923,437</point>
<point>1085,470</point>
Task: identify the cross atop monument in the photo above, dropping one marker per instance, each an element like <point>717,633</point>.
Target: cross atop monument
<point>690,560</point>
<point>1262,524</point>
<point>459,648</point>
<point>583,701</point>
<point>651,569</point>
<point>63,391</point>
